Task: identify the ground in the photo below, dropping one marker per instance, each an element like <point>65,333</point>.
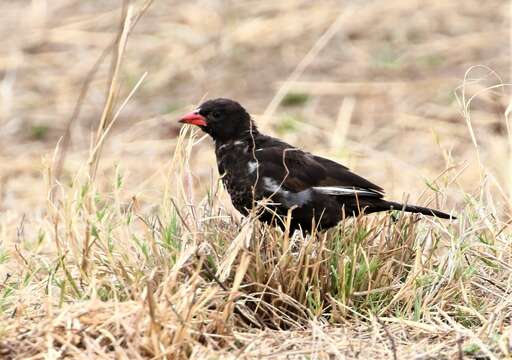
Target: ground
<point>118,241</point>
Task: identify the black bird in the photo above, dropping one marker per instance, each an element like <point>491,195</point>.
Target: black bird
<point>255,167</point>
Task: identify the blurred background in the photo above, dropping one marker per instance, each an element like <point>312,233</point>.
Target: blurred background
<point>372,84</point>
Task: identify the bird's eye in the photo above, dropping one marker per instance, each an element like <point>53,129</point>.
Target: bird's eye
<point>216,114</point>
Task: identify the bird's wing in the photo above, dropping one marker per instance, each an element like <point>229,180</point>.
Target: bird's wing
<point>295,170</point>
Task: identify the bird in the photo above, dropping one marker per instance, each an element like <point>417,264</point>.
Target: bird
<point>277,179</point>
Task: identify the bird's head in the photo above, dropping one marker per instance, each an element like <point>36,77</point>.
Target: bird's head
<point>222,119</point>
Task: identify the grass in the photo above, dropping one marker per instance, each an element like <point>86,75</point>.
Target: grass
<point>188,280</point>
<point>121,243</point>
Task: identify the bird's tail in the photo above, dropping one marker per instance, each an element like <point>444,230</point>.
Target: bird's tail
<point>391,205</point>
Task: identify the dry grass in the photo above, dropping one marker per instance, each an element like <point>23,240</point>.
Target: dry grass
<point>119,242</point>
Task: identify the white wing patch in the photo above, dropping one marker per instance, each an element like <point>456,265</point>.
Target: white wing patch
<point>288,198</point>
<point>271,185</point>
<point>344,190</point>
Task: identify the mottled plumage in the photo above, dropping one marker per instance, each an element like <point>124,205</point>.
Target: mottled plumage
<point>255,167</point>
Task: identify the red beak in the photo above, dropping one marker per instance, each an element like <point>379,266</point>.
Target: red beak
<point>193,118</point>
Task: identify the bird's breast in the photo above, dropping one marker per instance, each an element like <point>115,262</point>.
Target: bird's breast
<point>238,170</point>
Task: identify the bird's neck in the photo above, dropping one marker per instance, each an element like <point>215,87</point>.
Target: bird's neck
<point>247,136</point>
